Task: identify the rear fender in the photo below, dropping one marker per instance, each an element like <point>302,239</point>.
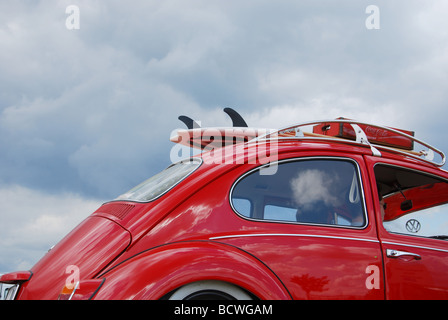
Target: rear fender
<point>153,273</point>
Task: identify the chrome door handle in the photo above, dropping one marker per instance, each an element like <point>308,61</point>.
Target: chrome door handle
<point>396,254</point>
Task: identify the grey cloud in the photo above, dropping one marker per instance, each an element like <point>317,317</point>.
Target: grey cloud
<point>82,107</point>
<point>90,111</point>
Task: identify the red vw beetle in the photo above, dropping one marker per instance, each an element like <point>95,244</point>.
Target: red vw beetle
<point>323,210</point>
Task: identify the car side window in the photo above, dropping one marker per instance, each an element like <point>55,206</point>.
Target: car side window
<point>413,203</point>
<point>315,191</point>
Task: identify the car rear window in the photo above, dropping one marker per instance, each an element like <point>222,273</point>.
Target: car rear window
<point>162,182</point>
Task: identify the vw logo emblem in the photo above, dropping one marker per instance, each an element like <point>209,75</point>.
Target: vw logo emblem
<point>413,225</point>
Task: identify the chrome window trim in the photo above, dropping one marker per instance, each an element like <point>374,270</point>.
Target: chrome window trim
<point>360,180</point>
<point>414,246</point>
<point>292,235</point>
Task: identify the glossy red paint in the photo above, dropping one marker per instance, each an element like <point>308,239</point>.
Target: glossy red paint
<point>147,250</point>
<point>174,265</point>
<point>82,254</point>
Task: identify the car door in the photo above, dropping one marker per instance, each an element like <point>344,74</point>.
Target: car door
<point>412,208</point>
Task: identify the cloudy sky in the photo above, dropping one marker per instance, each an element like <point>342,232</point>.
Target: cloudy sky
<point>86,111</point>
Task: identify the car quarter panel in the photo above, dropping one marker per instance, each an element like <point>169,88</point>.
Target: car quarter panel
<point>158,271</point>
<point>314,262</point>
<point>80,255</point>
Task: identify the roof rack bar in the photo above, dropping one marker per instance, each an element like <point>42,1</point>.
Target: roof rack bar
<point>295,132</point>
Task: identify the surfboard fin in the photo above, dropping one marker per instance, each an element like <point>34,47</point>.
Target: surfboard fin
<point>237,119</point>
<point>190,123</point>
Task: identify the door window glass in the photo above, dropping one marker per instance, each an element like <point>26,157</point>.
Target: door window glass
<point>413,203</point>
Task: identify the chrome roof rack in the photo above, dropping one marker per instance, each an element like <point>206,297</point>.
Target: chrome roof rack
<point>360,137</point>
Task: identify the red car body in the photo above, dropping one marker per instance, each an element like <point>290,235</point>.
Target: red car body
<point>207,234</point>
